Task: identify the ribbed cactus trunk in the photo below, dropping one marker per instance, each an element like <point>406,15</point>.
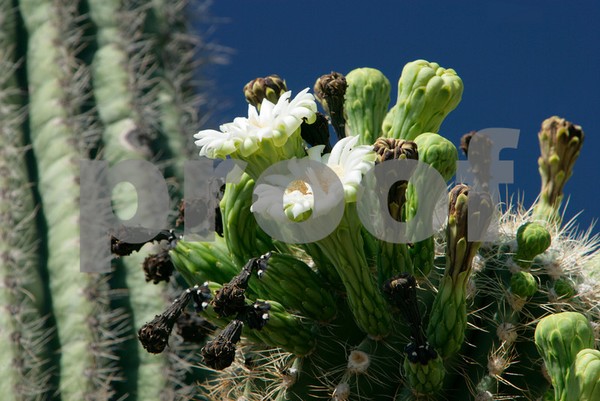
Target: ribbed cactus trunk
<point>82,80</point>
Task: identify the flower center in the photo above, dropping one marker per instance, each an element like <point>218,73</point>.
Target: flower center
<point>300,186</point>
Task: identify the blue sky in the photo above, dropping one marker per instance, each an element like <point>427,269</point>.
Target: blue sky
<point>520,61</point>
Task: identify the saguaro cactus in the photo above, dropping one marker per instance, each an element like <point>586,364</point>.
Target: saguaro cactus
<point>407,323</point>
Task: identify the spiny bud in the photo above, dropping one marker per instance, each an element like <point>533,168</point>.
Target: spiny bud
<point>220,353</point>
<point>257,315</point>
<point>193,328</point>
<point>158,267</point>
<point>154,335</point>
<point>390,148</point>
<point>532,240</point>
<point>560,144</point>
<point>465,140</point>
<point>316,133</point>
<point>259,89</point>
<point>330,90</point>
<point>396,149</point>
<point>523,284</point>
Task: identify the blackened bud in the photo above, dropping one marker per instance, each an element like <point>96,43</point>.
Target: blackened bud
<point>154,335</point>
<point>330,90</point>
<point>257,315</point>
<point>158,267</point>
<point>220,353</point>
<point>193,328</point>
<point>316,133</point>
<point>390,149</point>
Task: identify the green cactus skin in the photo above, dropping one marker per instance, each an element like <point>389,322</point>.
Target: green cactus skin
<point>141,115</point>
<point>57,93</point>
<point>587,374</point>
<point>532,240</point>
<point>24,331</point>
<point>426,94</point>
<point>559,338</point>
<point>366,103</point>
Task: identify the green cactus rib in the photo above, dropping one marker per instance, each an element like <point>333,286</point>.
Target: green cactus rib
<point>123,96</point>
<point>344,247</point>
<point>57,92</point>
<point>24,333</point>
<point>426,94</point>
<point>177,54</point>
<point>366,103</point>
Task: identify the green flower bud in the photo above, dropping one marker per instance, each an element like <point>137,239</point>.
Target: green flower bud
<point>438,152</point>
<point>523,284</point>
<point>426,94</point>
<point>259,89</point>
<point>587,374</point>
<point>559,338</point>
<point>560,144</point>
<point>448,321</point>
<point>366,102</point>
<point>330,90</point>
<point>532,240</point>
<point>425,378</point>
<point>564,288</point>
